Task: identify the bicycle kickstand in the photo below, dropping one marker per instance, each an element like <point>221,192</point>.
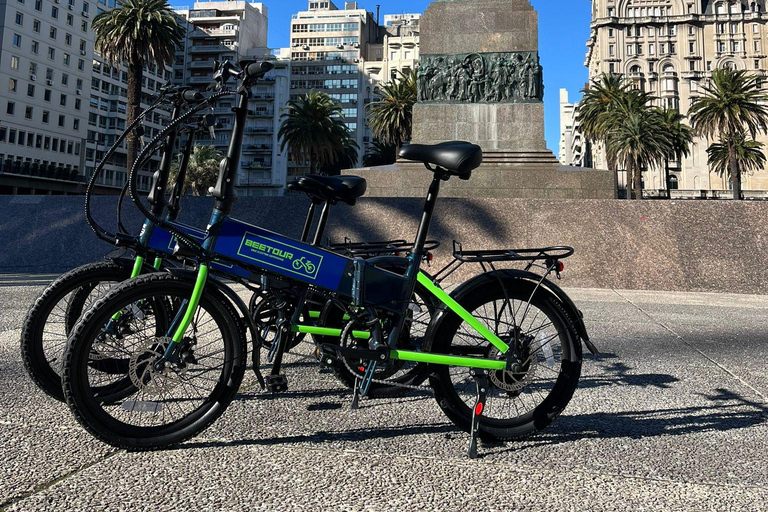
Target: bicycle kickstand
<point>481,383</point>
<point>362,384</point>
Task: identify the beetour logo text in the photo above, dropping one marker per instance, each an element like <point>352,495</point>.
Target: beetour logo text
<point>289,259</point>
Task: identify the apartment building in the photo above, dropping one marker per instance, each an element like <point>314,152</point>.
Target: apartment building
<point>669,48</point>
<point>63,105</point>
<point>329,48</point>
<point>233,31</point>
<point>574,148</point>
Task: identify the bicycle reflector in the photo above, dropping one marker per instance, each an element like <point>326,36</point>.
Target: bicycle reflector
<point>559,266</point>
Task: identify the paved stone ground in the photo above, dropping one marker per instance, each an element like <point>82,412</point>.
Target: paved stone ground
<point>672,416</point>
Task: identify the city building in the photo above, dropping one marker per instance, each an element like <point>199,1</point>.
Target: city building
<point>64,106</point>
<point>669,48</point>
<point>232,30</point>
<point>329,48</point>
<point>574,148</point>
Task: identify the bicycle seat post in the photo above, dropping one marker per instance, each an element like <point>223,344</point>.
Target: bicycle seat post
<point>321,224</point>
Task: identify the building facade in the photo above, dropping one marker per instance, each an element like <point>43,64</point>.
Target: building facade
<point>575,150</point>
<point>329,48</point>
<point>233,31</point>
<point>669,48</point>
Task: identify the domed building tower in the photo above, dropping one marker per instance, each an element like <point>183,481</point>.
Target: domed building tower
<point>669,48</point>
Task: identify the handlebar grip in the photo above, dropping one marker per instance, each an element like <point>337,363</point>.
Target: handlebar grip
<point>259,69</point>
<point>191,96</point>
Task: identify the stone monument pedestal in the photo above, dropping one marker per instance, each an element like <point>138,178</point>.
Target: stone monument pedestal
<point>479,80</point>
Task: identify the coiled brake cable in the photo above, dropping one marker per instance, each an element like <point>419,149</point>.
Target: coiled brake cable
<point>101,232</point>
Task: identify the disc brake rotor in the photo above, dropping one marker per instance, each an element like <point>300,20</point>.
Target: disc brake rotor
<point>142,372</point>
<point>509,380</point>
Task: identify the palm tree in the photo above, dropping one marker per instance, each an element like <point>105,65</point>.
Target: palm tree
<point>202,170</point>
<point>601,96</point>
<point>637,140</point>
<point>748,153</point>
<point>138,33</point>
<point>680,138</point>
<point>391,118</point>
<point>731,107</point>
<point>311,128</point>
<point>380,153</point>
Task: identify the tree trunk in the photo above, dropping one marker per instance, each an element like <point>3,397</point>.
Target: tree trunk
<point>666,178</point>
<point>637,175</point>
<point>735,172</point>
<point>133,109</point>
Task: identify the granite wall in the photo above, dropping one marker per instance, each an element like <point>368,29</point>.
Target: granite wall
<point>655,245</point>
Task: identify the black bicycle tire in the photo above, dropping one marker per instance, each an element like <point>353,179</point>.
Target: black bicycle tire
<point>76,355</point>
<point>541,416</point>
<point>32,345</point>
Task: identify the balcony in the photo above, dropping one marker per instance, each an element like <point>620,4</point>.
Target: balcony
<point>264,97</point>
<point>258,148</point>
<point>201,64</point>
<point>200,80</point>
<point>211,48</point>
<point>259,129</point>
<point>261,113</point>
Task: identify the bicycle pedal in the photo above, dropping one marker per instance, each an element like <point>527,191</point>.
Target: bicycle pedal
<point>276,383</point>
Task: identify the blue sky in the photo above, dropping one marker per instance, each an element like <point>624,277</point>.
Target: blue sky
<point>563,32</point>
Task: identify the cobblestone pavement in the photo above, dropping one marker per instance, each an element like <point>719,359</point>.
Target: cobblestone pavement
<point>671,416</point>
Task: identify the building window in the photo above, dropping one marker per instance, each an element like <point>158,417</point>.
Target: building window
<point>36,26</point>
<point>80,64</point>
<point>78,103</point>
<point>611,50</point>
<point>62,120</point>
<point>70,20</point>
<point>691,47</point>
<point>19,18</point>
<point>54,12</point>
<point>17,40</point>
<point>12,83</point>
<point>757,63</point>
<point>76,124</point>
<point>709,65</point>
<point>692,65</point>
<point>31,90</point>
<point>611,67</point>
<point>691,30</point>
<point>66,59</point>
<point>736,46</point>
<point>35,47</point>
<point>52,34</point>
<point>14,62</point>
<point>84,26</point>
<point>63,100</point>
<point>51,53</point>
<point>10,108</point>
<point>651,49</point>
<point>757,46</point>
<point>47,95</point>
<point>46,116</point>
<point>673,182</point>
<point>28,113</point>
<point>610,32</point>
<point>755,28</point>
<point>38,5</point>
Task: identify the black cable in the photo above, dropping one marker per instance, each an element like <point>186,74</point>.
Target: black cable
<point>100,232</point>
<point>181,237</point>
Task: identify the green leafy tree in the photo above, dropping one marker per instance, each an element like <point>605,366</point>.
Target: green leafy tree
<point>312,130</point>
<point>138,33</point>
<point>731,107</point>
<point>202,170</point>
<point>391,118</point>
<point>749,154</point>
<point>680,137</point>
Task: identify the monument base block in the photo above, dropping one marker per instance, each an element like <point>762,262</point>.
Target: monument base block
<point>527,178</point>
